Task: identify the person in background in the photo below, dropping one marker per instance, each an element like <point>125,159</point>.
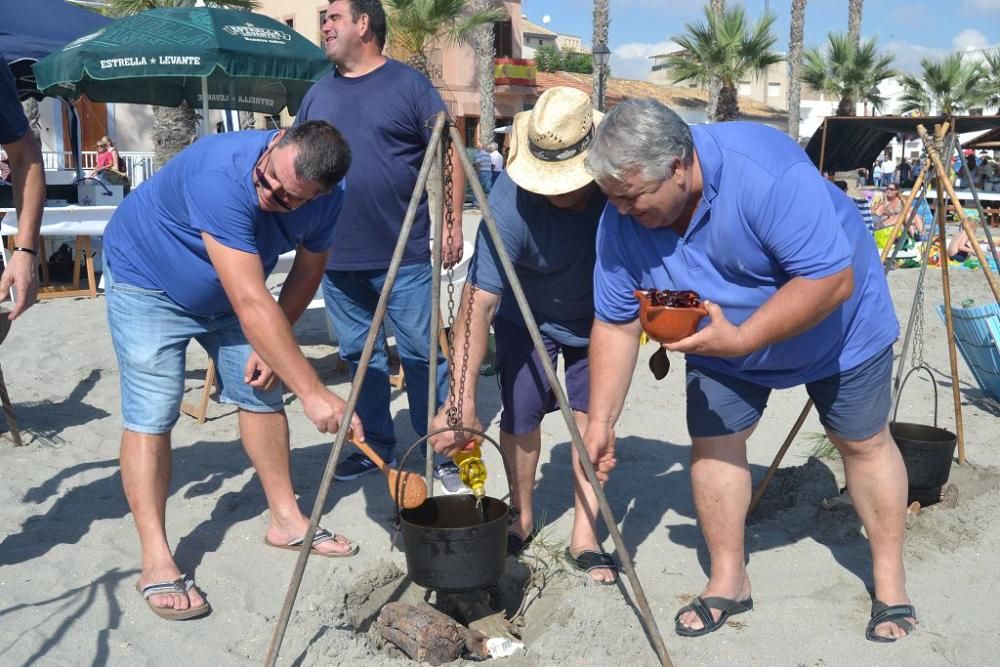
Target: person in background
<point>484,168</point>
<point>386,111</point>
<point>496,162</point>
<point>888,171</point>
<point>863,206</point>
<point>960,248</point>
<point>903,174</point>
<point>877,174</point>
<point>110,166</point>
<point>862,178</point>
<point>27,174</point>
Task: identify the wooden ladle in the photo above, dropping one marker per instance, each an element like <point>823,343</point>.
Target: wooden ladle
<point>412,486</point>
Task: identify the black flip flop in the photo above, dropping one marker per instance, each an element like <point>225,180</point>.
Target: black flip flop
<point>517,544</point>
<point>703,608</point>
<point>586,561</point>
<point>895,614</point>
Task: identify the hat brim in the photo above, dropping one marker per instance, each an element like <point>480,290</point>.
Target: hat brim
<point>538,176</point>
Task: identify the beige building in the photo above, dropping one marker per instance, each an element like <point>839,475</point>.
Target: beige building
<point>453,67</point>
<point>570,43</point>
<point>770,89</point>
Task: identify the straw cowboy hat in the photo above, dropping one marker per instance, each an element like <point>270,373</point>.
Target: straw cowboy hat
<point>549,143</point>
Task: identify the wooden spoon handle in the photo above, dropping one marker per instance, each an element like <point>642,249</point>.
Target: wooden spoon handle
<point>370,453</point>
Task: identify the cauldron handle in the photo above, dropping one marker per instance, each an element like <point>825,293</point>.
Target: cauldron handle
<point>473,433</point>
<point>903,384</point>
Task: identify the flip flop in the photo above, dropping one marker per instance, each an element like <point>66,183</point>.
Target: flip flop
<point>322,535</point>
<point>703,608</point>
<point>895,614</point>
<point>178,585</point>
<point>586,561</point>
<point>517,544</point>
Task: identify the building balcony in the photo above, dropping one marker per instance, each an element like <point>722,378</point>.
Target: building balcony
<point>514,72</point>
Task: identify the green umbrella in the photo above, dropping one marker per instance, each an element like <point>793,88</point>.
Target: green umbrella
<point>207,57</point>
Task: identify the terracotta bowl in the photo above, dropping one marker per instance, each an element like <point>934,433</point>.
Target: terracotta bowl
<point>665,324</point>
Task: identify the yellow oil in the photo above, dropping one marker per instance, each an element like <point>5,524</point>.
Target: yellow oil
<point>471,469</point>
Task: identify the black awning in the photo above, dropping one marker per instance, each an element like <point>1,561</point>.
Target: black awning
<point>853,142</point>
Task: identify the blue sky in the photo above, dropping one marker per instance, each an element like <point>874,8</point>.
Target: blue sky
<point>910,29</point>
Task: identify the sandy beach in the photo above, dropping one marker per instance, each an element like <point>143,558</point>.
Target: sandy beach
<point>69,553</point>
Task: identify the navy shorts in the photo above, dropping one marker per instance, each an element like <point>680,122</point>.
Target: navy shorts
<point>524,389</point>
<point>853,404</point>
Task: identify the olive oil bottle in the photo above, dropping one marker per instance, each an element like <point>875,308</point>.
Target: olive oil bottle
<point>471,468</point>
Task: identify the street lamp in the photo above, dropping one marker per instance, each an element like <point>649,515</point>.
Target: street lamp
<point>601,53</point>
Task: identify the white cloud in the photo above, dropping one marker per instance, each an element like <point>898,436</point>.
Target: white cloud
<point>969,39</point>
<point>974,6</point>
<point>631,60</point>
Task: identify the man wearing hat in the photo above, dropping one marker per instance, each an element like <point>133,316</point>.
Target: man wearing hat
<point>546,208</point>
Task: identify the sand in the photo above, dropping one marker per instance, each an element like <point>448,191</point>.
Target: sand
<point>69,555</point>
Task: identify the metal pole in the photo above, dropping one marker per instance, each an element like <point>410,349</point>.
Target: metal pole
<point>567,413</point>
<point>352,399</point>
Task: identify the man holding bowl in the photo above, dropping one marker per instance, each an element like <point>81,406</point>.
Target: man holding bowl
<point>795,295</point>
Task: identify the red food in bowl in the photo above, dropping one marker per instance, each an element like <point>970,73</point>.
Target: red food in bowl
<point>669,316</point>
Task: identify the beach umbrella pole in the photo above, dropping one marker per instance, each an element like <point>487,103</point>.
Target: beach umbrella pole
<point>204,106</point>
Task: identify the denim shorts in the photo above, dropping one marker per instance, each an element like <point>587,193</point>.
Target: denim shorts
<point>524,389</point>
<point>150,334</point>
<point>853,404</point>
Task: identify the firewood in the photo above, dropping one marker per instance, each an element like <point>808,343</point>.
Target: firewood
<point>423,633</point>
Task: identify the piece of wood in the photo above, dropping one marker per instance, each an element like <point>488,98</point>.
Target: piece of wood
<point>423,633</point>
<point>200,410</point>
<point>475,609</point>
<point>8,411</point>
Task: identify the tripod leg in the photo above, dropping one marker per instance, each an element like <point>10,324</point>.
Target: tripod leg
<point>8,411</point>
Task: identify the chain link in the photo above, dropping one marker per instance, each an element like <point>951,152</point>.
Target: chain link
<point>454,411</point>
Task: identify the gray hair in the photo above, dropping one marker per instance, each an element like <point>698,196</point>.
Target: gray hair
<point>643,134</point>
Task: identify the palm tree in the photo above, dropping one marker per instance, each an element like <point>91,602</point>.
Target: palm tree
<point>173,127</point>
<point>992,82</point>
<point>795,38</point>
<point>718,8</point>
<point>948,86</point>
<point>854,11</point>
<point>601,24</point>
<point>418,26</point>
<point>485,49</point>
<point>727,49</point>
<point>848,72</point>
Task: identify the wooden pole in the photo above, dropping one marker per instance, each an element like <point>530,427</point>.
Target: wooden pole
<point>822,147</point>
<point>941,215</point>
<point>759,493</point>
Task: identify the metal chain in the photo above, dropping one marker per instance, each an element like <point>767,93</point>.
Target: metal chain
<point>917,357</point>
<point>454,411</point>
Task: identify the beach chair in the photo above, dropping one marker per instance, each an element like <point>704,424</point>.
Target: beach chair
<point>977,333</point>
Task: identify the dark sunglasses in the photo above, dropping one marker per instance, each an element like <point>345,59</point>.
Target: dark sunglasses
<point>277,191</point>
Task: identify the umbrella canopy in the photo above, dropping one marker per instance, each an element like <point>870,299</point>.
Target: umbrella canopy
<point>32,29</point>
<point>168,56</point>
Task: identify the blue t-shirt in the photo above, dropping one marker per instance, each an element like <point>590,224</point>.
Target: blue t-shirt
<point>154,238</point>
<point>386,116</point>
<point>13,124</point>
<point>766,216</point>
<point>552,250</point>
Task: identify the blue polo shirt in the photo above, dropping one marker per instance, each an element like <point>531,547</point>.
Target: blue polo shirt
<point>552,250</point>
<point>386,116</point>
<point>13,124</point>
<point>766,216</point>
<point>154,238</point>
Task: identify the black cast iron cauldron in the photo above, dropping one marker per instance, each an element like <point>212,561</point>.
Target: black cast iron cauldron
<point>448,547</point>
<point>927,450</point>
